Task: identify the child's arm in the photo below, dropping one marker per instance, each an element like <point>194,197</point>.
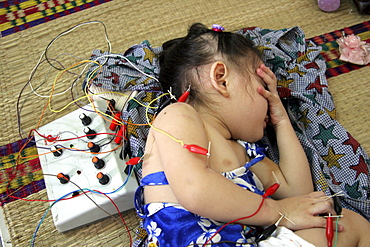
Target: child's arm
<point>207,193</point>
<point>293,166</point>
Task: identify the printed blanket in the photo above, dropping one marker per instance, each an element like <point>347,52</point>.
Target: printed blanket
<point>338,162</point>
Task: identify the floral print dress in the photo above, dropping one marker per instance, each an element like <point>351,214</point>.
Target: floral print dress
<point>170,224</point>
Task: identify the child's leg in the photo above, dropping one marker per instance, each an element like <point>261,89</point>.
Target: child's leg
<point>356,232</point>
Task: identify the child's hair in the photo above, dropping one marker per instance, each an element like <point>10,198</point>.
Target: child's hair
<point>181,58</point>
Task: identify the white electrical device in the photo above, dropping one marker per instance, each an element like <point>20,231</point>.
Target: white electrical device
<point>107,175</point>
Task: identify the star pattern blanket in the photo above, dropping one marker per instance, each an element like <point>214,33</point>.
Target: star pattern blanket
<point>338,162</point>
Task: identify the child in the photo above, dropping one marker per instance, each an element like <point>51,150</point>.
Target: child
<point>198,176</point>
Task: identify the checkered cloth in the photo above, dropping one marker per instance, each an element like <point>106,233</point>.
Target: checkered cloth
<point>338,162</point>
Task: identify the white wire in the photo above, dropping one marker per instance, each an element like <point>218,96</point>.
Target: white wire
<point>86,66</point>
<point>46,78</point>
<point>33,71</point>
<point>118,55</point>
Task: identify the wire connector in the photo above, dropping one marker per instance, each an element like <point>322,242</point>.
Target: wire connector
<point>184,96</point>
<point>196,149</point>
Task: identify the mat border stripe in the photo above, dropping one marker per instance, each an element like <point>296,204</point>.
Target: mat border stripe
<point>330,52</point>
<point>19,15</point>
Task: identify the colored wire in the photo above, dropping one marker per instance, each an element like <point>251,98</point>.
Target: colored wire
<point>37,200</point>
<point>48,104</point>
<point>110,117</point>
<point>123,185</point>
<point>44,53</point>
<point>52,200</point>
<point>72,149</point>
<point>336,232</point>
<point>49,138</point>
<point>71,30</point>
<point>19,106</point>
<point>230,222</point>
<point>33,90</point>
<point>129,62</point>
<point>155,128</point>
<point>59,75</point>
<point>33,239</point>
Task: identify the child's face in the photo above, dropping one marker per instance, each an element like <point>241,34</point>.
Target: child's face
<point>250,109</point>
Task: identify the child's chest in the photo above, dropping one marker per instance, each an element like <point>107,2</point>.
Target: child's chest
<point>227,155</point>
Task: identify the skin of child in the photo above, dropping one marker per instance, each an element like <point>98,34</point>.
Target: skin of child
<point>241,110</point>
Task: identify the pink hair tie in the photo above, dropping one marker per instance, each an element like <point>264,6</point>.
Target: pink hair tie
<point>217,28</point>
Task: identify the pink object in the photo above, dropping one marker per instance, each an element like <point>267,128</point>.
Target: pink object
<point>354,50</point>
<point>217,28</point>
<point>328,5</point>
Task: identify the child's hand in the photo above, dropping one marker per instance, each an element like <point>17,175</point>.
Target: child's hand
<point>303,210</point>
<point>277,111</point>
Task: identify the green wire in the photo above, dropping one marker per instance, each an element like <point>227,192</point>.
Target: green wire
<point>336,232</point>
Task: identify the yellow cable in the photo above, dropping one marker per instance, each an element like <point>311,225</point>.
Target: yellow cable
<point>159,130</point>
<point>58,76</point>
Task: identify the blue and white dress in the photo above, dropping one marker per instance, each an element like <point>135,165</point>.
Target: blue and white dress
<point>170,224</point>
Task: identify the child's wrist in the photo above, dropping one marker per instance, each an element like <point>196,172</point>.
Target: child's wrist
<point>275,206</point>
<point>273,209</point>
<point>282,123</point>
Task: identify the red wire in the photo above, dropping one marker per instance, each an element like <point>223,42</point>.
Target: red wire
<point>15,168</point>
<point>70,139</point>
<point>230,222</point>
<point>28,140</point>
<point>270,191</point>
<point>39,200</point>
<point>120,215</point>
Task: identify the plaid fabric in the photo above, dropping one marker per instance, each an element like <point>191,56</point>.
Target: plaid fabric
<point>18,15</point>
<point>19,180</point>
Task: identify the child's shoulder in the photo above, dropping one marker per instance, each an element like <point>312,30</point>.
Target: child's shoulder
<point>178,113</point>
<point>178,109</point>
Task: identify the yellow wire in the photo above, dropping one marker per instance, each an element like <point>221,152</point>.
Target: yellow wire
<point>88,96</point>
<point>119,93</point>
<point>159,130</point>
<point>114,92</point>
<point>59,75</point>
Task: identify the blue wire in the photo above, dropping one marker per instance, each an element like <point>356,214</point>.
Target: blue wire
<point>43,217</point>
<point>33,239</point>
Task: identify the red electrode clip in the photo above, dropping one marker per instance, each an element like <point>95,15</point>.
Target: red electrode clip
<point>120,134</point>
<point>196,149</point>
<point>116,119</point>
<point>134,161</point>
<point>184,96</point>
<point>329,230</point>
<point>271,190</point>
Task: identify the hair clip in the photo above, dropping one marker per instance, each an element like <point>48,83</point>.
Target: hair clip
<point>217,28</point>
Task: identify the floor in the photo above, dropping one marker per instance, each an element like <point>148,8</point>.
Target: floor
<point>4,235</point>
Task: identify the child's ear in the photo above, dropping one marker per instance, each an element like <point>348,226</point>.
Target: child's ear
<point>219,75</point>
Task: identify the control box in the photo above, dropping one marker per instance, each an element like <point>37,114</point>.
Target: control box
<point>70,163</point>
